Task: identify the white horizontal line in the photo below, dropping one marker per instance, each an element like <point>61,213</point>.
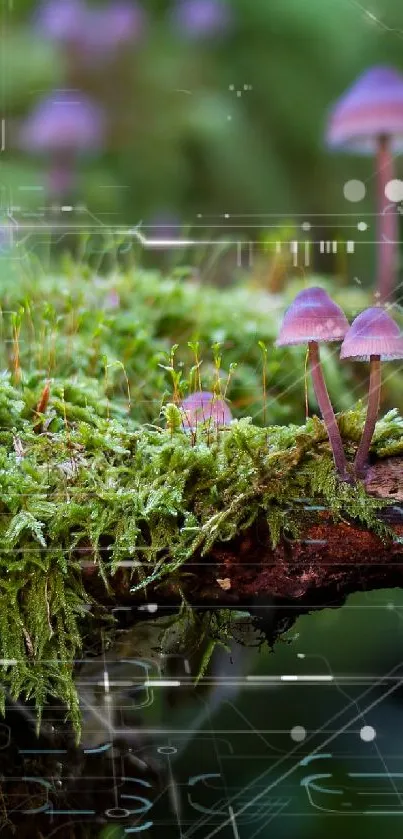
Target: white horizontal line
<point>7,662</point>
<point>163,683</point>
<point>291,678</point>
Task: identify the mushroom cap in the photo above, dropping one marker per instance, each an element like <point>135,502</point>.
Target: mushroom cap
<point>373,332</point>
<point>113,26</point>
<point>312,316</point>
<point>201,406</point>
<point>199,18</point>
<point>372,107</point>
<point>62,20</point>
<point>63,122</point>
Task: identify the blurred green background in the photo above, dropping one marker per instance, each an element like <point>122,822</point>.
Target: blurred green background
<point>186,143</point>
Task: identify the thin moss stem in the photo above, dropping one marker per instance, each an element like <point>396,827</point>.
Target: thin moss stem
<point>361,458</point>
<point>327,412</point>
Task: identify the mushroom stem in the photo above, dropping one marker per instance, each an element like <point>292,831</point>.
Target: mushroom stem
<point>387,225</point>
<point>327,412</point>
<point>361,458</point>
<point>61,176</point>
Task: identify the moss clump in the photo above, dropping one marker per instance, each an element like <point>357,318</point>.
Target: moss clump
<point>64,324</point>
<point>151,494</point>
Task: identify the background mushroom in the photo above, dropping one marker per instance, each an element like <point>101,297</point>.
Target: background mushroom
<point>90,30</point>
<point>200,18</point>
<point>63,126</point>
<point>368,119</point>
<point>202,406</point>
<point>376,337</point>
<point>62,20</point>
<point>311,319</point>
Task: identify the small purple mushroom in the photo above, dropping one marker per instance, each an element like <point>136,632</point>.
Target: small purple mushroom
<point>311,319</point>
<point>375,337</point>
<point>368,119</point>
<point>63,125</point>
<point>201,18</point>
<point>202,406</point>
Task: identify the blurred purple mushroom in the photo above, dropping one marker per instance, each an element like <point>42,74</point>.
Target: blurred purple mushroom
<point>164,225</point>
<point>63,126</point>
<point>64,21</point>
<point>314,318</point>
<point>375,337</point>
<point>113,27</point>
<point>121,22</point>
<point>93,32</point>
<point>201,18</point>
<point>202,406</point>
<point>368,119</point>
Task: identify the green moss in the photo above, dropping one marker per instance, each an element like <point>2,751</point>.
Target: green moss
<point>112,476</point>
<point>150,494</point>
<point>62,325</point>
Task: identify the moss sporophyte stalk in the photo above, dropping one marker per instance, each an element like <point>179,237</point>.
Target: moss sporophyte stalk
<point>150,493</point>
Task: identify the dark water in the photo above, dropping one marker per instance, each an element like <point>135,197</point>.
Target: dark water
<point>301,741</point>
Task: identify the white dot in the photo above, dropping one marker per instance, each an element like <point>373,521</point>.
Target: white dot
<point>298,733</point>
<point>367,733</point>
<point>362,225</point>
<point>306,225</point>
<point>226,215</point>
<point>354,190</point>
<point>152,607</point>
<point>394,190</point>
<point>301,655</point>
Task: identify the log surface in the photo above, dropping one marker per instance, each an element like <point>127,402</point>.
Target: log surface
<point>329,560</point>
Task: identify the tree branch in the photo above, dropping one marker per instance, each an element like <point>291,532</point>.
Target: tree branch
<point>328,561</point>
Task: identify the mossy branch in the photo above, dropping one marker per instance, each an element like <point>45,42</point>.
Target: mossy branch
<point>161,513</point>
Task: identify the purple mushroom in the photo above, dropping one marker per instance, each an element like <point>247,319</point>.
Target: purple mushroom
<point>314,318</point>
<point>368,119</point>
<point>164,225</point>
<point>114,26</point>
<point>202,406</point>
<point>201,18</point>
<point>92,32</point>
<point>63,126</point>
<point>375,337</point>
<point>64,21</point>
